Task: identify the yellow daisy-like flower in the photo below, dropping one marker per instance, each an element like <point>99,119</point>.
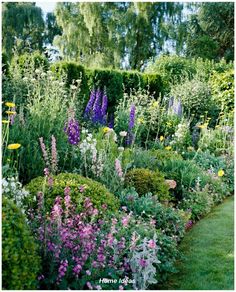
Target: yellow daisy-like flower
<point>140,120</point>
<point>10,104</point>
<point>162,138</point>
<point>5,122</point>
<point>168,147</point>
<point>13,146</point>
<point>10,112</point>
<point>221,172</point>
<point>106,130</point>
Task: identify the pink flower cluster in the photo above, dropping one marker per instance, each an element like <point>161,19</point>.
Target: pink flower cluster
<point>81,243</point>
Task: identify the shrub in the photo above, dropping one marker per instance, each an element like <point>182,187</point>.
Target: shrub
<point>186,173</point>
<point>20,262</point>
<point>198,202</point>
<point>146,181</point>
<point>222,86</point>
<point>80,186</point>
<point>195,96</point>
<point>172,69</point>
<point>167,219</point>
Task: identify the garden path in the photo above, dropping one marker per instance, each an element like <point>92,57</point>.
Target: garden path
<point>208,256</point>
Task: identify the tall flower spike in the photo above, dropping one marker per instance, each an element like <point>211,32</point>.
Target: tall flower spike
<point>54,155</point>
<point>44,151</point>
<point>104,108</point>
<point>132,117</point>
<point>72,130</point>
<point>90,104</point>
<point>96,117</point>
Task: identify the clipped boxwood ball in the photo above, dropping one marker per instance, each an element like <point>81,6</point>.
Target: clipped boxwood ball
<point>81,187</point>
<point>20,261</point>
<point>146,181</point>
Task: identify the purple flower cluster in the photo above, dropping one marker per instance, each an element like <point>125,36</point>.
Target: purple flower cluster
<point>72,130</point>
<point>96,109</point>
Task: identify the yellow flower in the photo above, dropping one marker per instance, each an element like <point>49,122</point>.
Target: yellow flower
<point>190,148</point>
<point>221,172</point>
<point>202,126</point>
<point>168,147</point>
<point>13,146</point>
<point>106,130</point>
<point>162,138</point>
<point>140,120</point>
<point>155,104</point>
<point>10,104</point>
<point>5,122</point>
<point>10,112</point>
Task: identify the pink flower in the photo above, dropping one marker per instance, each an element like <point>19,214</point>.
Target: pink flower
<point>89,286</point>
<point>121,287</point>
<point>151,243</point>
<point>125,220</point>
<point>143,263</point>
<point>81,189</point>
<point>118,168</point>
<point>153,222</point>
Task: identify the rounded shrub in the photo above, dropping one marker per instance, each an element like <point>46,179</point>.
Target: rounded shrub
<point>20,262</point>
<point>80,188</point>
<point>146,181</point>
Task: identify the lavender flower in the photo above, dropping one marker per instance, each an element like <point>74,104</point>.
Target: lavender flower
<point>73,131</point>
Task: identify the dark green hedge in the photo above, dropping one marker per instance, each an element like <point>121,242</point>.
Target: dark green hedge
<point>114,81</point>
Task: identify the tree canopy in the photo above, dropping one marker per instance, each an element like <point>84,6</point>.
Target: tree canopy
<point>22,27</point>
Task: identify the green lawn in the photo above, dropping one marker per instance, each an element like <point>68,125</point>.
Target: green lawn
<point>208,256</point>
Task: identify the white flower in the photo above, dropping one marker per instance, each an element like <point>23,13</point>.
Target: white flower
<point>73,87</point>
<point>121,149</point>
<point>123,133</point>
<point>37,71</point>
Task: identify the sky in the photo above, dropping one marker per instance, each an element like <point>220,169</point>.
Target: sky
<point>46,6</point>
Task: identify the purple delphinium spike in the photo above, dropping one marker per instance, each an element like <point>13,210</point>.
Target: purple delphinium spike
<point>132,117</point>
<point>90,103</point>
<point>72,130</point>
<point>96,115</point>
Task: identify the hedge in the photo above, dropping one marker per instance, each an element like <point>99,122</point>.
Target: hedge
<point>114,81</point>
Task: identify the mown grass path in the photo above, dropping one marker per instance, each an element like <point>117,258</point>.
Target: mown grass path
<point>208,256</point>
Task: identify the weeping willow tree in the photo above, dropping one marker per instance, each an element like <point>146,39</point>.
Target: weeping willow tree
<point>114,34</point>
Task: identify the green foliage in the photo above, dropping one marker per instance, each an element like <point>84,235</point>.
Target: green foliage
<point>195,96</point>
<point>114,82</point>
<point>222,86</point>
<point>208,32</point>
<point>146,181</point>
<point>105,34</point>
<point>162,156</point>
<point>98,194</point>
<point>171,221</point>
<point>25,61</point>
<point>20,262</point>
<point>23,27</point>
<point>5,64</point>
<point>172,69</point>
<point>218,141</point>
<point>198,202</point>
<point>186,173</point>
